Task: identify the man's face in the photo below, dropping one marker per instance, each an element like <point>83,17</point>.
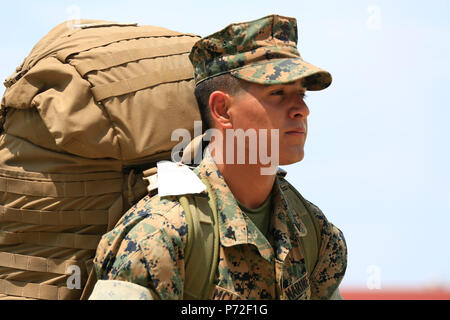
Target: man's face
<point>279,107</point>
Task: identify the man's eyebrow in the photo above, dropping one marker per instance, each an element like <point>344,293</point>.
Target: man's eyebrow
<point>295,82</point>
<point>278,86</point>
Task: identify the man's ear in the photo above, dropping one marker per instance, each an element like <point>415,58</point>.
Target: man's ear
<point>219,104</point>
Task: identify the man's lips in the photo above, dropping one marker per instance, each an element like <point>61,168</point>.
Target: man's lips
<point>296,131</point>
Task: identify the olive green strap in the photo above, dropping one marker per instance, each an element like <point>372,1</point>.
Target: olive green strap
<point>309,246</point>
<point>215,258</point>
<point>191,228</point>
<point>202,251</point>
<point>198,246</point>
<point>311,243</point>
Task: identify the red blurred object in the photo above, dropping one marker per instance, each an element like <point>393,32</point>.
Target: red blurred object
<point>396,294</point>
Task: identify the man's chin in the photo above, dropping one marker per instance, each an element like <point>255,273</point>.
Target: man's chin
<point>287,160</point>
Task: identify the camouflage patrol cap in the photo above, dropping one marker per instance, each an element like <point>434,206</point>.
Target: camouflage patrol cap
<point>262,51</point>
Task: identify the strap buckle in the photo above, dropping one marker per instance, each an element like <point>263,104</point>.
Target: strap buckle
<point>14,78</point>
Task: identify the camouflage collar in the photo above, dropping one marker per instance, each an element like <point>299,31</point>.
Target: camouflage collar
<point>236,228</point>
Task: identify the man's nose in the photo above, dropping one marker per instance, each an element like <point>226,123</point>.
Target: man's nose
<point>298,109</point>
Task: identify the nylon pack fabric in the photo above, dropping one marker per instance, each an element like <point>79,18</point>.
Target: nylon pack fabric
<point>81,119</point>
<point>48,234</point>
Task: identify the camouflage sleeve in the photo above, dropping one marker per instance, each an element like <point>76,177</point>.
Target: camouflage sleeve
<point>332,260</point>
<point>150,254</point>
<point>121,290</point>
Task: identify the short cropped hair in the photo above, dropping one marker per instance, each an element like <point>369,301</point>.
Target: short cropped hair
<point>225,82</point>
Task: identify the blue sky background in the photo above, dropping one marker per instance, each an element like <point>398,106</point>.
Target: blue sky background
<point>378,151</point>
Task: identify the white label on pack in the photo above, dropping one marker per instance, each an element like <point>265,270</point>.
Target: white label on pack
<point>176,179</point>
<point>152,182</point>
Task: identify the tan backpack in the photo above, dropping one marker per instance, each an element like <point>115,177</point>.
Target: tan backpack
<point>91,108</point>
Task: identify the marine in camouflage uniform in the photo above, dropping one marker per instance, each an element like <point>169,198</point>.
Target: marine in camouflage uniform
<point>143,256</point>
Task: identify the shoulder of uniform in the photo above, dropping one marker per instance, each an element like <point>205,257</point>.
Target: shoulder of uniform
<point>145,218</point>
<point>285,185</point>
<point>162,214</point>
<point>148,208</point>
<point>332,261</point>
<point>326,228</point>
<point>315,209</point>
<point>158,213</point>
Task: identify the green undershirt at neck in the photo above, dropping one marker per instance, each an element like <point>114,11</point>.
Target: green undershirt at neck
<point>261,215</point>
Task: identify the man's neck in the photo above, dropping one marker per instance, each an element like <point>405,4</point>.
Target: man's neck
<point>247,184</point>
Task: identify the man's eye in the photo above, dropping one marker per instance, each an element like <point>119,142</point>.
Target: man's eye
<point>303,95</point>
<point>277,93</point>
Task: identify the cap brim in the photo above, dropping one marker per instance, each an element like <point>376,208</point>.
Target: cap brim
<point>286,70</point>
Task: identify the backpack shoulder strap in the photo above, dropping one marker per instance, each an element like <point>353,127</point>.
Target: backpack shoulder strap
<point>202,251</point>
<point>311,243</point>
<point>203,239</point>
